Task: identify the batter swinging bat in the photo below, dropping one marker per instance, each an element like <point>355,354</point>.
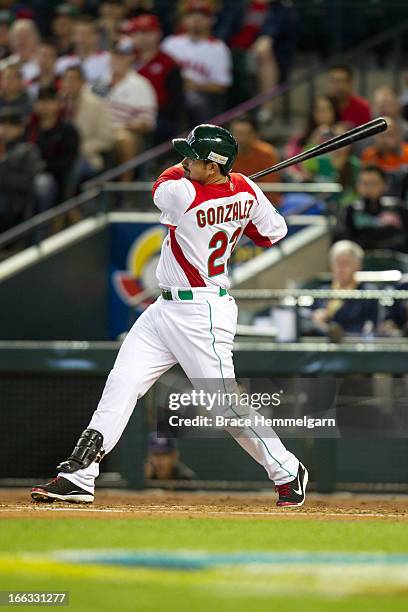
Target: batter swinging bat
<point>359,133</point>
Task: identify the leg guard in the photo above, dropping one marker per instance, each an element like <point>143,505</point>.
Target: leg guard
<point>87,450</point>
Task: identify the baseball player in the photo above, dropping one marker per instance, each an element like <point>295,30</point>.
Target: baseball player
<point>207,208</point>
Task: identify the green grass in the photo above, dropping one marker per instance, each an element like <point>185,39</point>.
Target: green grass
<point>122,589</point>
<point>203,534</point>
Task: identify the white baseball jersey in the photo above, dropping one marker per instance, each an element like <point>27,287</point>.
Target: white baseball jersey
<point>96,67</point>
<point>132,98</point>
<point>205,223</point>
<point>203,61</point>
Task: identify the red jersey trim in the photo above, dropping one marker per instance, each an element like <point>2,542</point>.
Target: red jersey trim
<point>236,184</point>
<point>252,232</point>
<point>193,275</point>
<point>171,174</point>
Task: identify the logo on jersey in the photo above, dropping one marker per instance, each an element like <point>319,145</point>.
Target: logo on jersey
<point>141,264</point>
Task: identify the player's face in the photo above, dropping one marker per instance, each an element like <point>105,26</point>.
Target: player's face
<point>197,170</point>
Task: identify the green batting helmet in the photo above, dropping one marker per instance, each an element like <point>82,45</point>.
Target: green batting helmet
<point>209,142</point>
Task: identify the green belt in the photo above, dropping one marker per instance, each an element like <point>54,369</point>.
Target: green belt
<point>186,294</point>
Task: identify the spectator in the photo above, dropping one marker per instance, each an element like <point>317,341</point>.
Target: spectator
<point>267,30</point>
<point>47,57</point>
<point>94,62</point>
<point>24,40</point>
<point>6,19</point>
<point>386,104</point>
<point>390,153</point>
<point>336,317</point>
<point>395,322</point>
<point>133,105</point>
<point>89,113</point>
<point>19,163</point>
<point>323,115</point>
<point>63,25</point>
<point>205,63</point>
<point>12,91</point>
<point>341,166</point>
<point>57,141</point>
<point>374,221</point>
<point>160,69</point>
<point>254,154</point>
<point>111,14</point>
<point>354,110</point>
<point>163,460</point>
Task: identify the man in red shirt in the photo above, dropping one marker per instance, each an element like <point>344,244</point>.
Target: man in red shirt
<point>354,110</point>
<point>160,69</point>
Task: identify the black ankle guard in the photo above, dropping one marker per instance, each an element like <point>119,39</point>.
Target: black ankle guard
<point>87,450</point>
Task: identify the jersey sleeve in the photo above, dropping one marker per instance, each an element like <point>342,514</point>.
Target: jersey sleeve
<point>173,194</point>
<point>266,226</point>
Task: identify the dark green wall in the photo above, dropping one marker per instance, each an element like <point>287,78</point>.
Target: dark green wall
<point>63,297</point>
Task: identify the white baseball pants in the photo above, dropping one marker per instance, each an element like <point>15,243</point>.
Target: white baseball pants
<point>198,334</point>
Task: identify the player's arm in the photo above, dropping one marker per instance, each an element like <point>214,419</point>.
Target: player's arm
<point>266,226</point>
<point>173,194</point>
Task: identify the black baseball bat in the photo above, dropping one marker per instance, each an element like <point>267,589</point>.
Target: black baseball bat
<point>359,133</point>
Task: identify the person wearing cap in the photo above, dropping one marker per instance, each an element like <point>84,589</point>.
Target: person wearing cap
<point>63,25</point>
<point>57,140</point>
<point>132,103</point>
<point>163,460</point>
<point>94,62</point>
<point>205,62</point>
<point>20,162</point>
<point>160,69</point>
<point>13,93</point>
<point>206,209</point>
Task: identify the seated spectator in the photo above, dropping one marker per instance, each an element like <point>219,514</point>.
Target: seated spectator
<point>390,153</point>
<point>63,25</point>
<point>341,166</point>
<point>47,57</point>
<point>254,154</point>
<point>163,460</point>
<point>94,62</point>
<point>160,69</point>
<point>323,115</point>
<point>205,63</point>
<point>263,32</point>
<point>57,141</point>
<point>24,41</point>
<point>132,103</point>
<point>6,19</point>
<point>111,14</point>
<point>13,93</point>
<point>335,317</point>
<point>395,324</point>
<point>90,115</point>
<point>386,104</point>
<point>19,163</point>
<point>354,110</point>
<point>374,221</point>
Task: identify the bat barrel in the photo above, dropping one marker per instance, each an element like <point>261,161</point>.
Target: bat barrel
<point>359,133</point>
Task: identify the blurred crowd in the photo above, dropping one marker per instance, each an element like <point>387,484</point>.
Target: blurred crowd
<point>87,85</point>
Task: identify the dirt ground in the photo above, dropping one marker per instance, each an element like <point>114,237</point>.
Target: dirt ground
<point>15,503</point>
